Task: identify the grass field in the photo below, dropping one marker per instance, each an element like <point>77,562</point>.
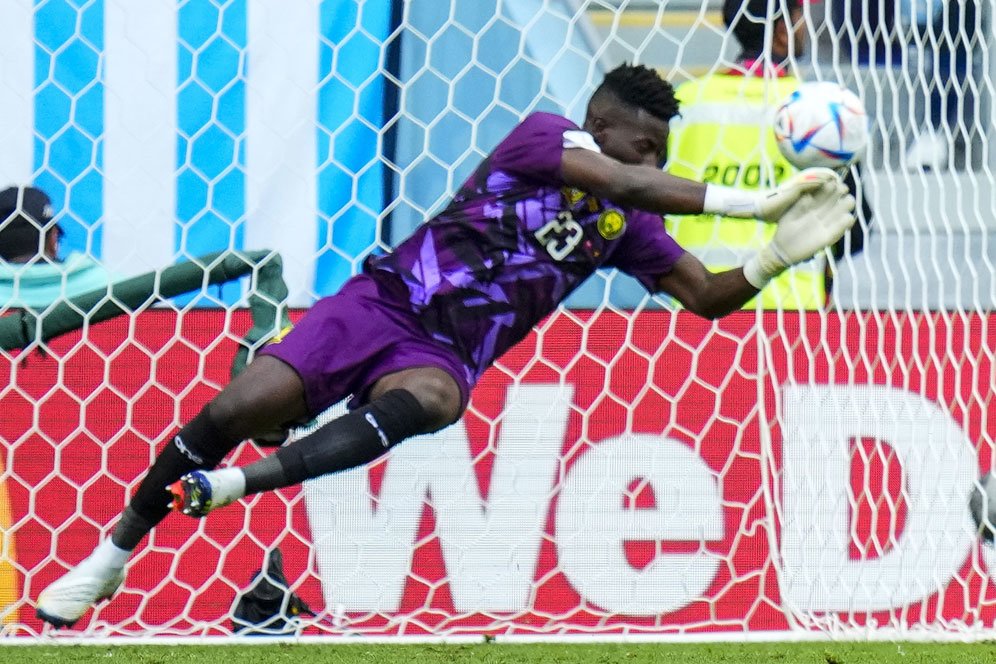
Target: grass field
<point>787,653</point>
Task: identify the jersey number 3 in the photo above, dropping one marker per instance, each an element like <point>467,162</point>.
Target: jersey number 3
<point>560,236</point>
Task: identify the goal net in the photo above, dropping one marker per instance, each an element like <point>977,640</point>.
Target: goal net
<point>629,469</point>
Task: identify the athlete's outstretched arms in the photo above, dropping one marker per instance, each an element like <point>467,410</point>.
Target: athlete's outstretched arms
<point>816,221</point>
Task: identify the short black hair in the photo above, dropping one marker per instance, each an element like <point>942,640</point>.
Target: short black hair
<point>747,20</point>
<point>641,87</point>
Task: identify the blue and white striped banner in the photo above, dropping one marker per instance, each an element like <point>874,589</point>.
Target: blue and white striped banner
<point>166,129</point>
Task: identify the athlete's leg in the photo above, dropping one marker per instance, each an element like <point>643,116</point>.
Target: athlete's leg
<point>268,393</point>
<point>435,389</point>
<point>401,405</point>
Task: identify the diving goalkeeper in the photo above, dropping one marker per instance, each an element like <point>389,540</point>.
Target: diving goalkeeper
<point>408,338</point>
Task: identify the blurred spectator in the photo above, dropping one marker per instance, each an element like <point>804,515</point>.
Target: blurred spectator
<point>935,48</point>
<point>724,136</point>
<point>867,31</point>
<point>943,43</point>
<point>31,272</point>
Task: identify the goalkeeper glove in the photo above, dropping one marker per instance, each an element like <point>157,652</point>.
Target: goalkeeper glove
<point>767,205</point>
<point>814,222</point>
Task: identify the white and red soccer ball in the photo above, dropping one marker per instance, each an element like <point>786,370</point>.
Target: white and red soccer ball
<point>821,124</point>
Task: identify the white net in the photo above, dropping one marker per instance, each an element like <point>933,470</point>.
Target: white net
<point>627,469</point>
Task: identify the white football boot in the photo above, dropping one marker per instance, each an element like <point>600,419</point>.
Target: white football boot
<point>66,600</point>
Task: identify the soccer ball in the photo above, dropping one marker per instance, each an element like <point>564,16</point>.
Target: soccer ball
<point>821,124</point>
<point>982,505</point>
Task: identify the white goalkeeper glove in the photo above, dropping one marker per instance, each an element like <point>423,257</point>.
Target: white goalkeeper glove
<point>767,205</point>
<point>816,221</point>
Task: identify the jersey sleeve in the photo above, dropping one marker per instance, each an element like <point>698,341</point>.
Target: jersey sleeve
<point>646,251</point>
<point>534,148</point>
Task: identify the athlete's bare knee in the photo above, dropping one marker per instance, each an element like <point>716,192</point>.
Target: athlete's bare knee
<point>437,392</point>
<point>440,397</point>
<point>228,412</point>
<point>266,395</point>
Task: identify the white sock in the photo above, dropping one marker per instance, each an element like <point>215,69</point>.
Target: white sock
<point>227,485</point>
<point>108,554</point>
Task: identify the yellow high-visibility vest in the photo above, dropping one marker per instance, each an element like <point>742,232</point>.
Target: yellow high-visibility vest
<point>724,136</point>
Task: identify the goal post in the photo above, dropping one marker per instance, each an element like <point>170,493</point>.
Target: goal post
<point>627,471</point>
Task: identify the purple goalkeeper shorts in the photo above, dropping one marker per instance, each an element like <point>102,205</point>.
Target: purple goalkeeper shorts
<point>347,341</point>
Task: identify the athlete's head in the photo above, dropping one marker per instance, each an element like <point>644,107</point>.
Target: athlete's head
<point>752,26</point>
<point>26,226</point>
<point>628,115</point>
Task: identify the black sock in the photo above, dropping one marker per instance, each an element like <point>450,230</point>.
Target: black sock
<point>349,441</point>
<point>131,529</point>
<point>200,444</point>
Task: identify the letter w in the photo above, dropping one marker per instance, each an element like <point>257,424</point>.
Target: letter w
<point>364,545</point>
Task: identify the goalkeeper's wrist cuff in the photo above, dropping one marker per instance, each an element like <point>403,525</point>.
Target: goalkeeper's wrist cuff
<point>764,266</point>
<point>731,202</point>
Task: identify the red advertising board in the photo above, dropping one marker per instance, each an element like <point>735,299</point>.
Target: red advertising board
<point>630,473</point>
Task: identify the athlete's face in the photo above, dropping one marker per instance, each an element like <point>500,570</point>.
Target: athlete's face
<point>630,135</point>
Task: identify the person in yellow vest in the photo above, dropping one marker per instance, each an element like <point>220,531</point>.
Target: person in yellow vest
<point>724,137</point>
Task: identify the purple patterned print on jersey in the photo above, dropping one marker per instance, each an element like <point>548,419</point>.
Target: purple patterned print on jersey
<point>514,242</point>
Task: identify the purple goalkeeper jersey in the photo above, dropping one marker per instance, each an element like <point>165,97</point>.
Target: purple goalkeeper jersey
<point>514,242</point>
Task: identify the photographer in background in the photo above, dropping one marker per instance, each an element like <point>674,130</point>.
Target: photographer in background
<point>32,276</point>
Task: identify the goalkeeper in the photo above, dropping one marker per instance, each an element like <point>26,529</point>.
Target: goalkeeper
<point>408,338</point>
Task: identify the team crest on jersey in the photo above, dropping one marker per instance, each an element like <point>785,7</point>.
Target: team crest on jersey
<point>611,224</point>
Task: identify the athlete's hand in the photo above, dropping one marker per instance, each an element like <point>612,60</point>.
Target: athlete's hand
<point>773,204</point>
<point>815,221</point>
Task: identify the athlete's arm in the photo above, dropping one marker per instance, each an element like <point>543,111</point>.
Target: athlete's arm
<point>649,188</point>
<point>643,187</point>
<point>814,223</point>
<point>708,294</point>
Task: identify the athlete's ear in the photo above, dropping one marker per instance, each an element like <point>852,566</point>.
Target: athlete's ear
<point>596,127</point>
